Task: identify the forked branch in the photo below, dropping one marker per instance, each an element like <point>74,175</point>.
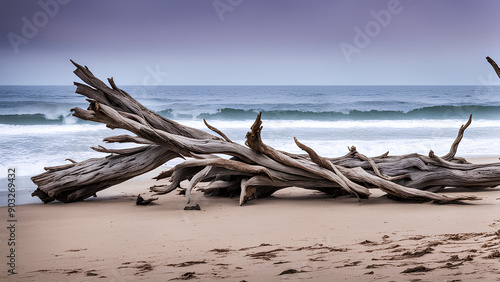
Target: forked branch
<point>253,171</point>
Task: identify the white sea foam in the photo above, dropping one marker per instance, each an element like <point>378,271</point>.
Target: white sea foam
<point>447,123</point>
<point>6,129</point>
<point>32,147</point>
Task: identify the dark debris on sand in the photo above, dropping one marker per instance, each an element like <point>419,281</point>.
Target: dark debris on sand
<point>141,202</point>
<point>291,271</point>
<point>419,268</point>
<point>186,276</point>
<point>267,255</point>
<point>187,263</point>
<point>192,208</point>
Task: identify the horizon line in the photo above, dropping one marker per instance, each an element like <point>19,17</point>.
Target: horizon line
<point>493,84</point>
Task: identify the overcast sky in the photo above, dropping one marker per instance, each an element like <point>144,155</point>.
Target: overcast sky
<point>243,42</point>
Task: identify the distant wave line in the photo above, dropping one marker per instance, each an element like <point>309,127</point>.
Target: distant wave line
<point>432,113</point>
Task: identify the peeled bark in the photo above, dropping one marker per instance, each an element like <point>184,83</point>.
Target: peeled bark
<point>252,171</point>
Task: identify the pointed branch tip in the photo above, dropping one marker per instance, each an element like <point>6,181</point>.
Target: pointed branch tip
<point>494,65</point>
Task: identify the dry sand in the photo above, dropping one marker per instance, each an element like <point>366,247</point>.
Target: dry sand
<point>296,233</point>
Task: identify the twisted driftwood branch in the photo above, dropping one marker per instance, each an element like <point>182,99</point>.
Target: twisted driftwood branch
<point>254,171</point>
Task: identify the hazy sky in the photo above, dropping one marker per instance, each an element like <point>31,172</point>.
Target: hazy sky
<point>250,41</point>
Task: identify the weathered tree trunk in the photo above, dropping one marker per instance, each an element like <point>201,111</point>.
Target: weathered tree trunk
<point>253,171</point>
<point>77,181</point>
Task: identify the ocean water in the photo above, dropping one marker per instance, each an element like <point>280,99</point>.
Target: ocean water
<point>37,129</point>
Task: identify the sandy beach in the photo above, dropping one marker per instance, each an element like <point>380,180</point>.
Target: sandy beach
<point>293,235</point>
<point>351,98</point>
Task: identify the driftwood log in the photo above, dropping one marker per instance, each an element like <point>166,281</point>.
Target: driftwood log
<point>252,171</point>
